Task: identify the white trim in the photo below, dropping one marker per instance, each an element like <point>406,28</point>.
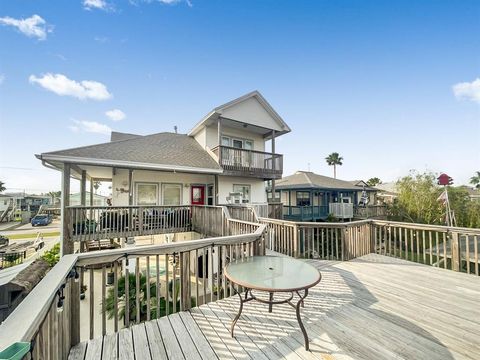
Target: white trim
<point>128,164</point>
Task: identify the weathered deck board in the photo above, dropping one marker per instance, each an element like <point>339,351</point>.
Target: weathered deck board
<point>371,307</point>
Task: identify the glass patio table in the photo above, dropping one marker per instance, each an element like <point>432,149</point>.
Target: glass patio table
<point>272,274</point>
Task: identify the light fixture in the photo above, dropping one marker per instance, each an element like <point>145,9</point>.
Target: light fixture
<point>61,298</point>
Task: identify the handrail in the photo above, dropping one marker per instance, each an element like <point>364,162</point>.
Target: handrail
<point>101,256</point>
<point>246,150</point>
<point>25,320</point>
<point>426,226</point>
<point>316,224</point>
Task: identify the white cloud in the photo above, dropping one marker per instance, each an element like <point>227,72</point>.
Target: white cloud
<point>90,127</point>
<point>101,39</point>
<point>468,91</point>
<point>2,78</point>
<point>34,26</point>
<point>116,115</point>
<point>61,85</point>
<point>168,2</point>
<point>96,4</point>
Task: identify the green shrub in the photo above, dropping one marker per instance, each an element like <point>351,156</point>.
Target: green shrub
<point>52,256</point>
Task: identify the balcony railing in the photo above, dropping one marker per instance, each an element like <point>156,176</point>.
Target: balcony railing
<point>249,162</point>
<point>305,213</point>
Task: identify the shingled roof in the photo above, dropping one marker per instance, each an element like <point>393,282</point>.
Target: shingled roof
<point>310,180</point>
<point>162,149</point>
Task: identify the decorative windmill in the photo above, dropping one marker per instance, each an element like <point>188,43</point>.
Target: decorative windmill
<point>446,180</point>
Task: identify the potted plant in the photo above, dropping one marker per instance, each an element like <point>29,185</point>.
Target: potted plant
<point>83,289</point>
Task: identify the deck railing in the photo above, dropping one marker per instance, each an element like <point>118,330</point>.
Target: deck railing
<point>305,213</point>
<point>370,211</point>
<point>249,162</point>
<point>88,223</point>
<point>158,280</point>
<point>334,241</point>
<point>451,248</point>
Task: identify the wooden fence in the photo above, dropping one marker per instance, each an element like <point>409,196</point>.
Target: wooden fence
<point>447,247</point>
<point>336,241</point>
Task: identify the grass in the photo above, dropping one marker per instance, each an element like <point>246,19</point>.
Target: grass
<point>33,235</point>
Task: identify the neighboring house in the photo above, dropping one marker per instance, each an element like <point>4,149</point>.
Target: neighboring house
<point>473,194</point>
<point>307,196</point>
<point>223,159</point>
<point>387,192</point>
<point>13,205</point>
<point>366,195</point>
<point>98,200</point>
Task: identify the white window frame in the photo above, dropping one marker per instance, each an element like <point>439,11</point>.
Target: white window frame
<point>163,193</point>
<point>146,183</point>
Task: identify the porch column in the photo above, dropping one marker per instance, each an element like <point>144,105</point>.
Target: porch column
<point>92,180</point>
<point>83,185</point>
<point>273,165</point>
<point>216,190</point>
<point>67,245</point>
<point>83,202</point>
<point>219,131</point>
<point>130,187</point>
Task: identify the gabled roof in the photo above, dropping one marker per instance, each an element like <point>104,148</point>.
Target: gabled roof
<point>222,110</point>
<point>162,151</point>
<point>118,136</point>
<point>310,180</point>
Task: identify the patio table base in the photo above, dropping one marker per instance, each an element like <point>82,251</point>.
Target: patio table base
<point>249,297</point>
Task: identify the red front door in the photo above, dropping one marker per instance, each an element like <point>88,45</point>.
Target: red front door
<point>198,194</point>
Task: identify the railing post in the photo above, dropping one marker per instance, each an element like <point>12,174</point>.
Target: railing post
<point>185,288</point>
<point>74,313</point>
<point>456,253</point>
<point>296,247</point>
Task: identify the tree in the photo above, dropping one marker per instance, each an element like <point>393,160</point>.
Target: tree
<point>474,180</point>
<point>334,159</point>
<point>96,185</point>
<point>2,187</point>
<point>54,195</point>
<point>417,199</point>
<point>374,181</point>
<point>418,202</point>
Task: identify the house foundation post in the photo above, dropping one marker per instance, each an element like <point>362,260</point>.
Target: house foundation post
<point>83,202</point>
<point>67,244</point>
<point>273,166</point>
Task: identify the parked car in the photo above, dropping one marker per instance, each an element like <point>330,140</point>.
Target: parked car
<point>3,241</point>
<point>41,220</point>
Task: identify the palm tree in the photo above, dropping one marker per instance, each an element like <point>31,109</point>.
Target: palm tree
<point>334,159</point>
<point>2,187</point>
<point>475,180</point>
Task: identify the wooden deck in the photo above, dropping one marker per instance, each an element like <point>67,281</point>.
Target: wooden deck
<point>373,307</point>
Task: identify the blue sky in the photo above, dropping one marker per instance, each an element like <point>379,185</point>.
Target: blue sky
<point>372,80</point>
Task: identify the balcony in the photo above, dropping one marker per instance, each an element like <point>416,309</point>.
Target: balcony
<point>242,162</point>
<point>377,277</point>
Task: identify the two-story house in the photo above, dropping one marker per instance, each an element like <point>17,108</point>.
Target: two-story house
<point>222,160</point>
